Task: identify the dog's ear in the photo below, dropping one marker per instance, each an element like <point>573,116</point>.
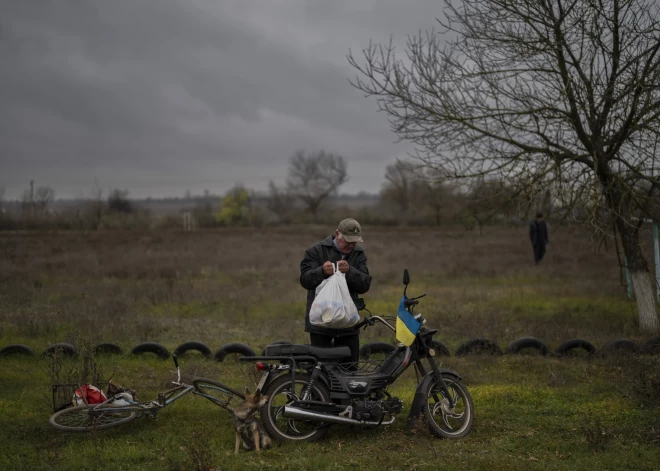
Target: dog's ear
<point>247,391</point>
<point>257,393</point>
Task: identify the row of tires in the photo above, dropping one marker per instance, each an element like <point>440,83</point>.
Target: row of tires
<point>474,346</point>
<point>147,347</point>
<point>524,344</point>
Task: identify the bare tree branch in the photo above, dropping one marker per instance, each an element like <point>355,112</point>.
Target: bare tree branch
<point>553,95</point>
<point>316,176</point>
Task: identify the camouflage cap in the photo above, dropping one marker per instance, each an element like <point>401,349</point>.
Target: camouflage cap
<point>351,230</point>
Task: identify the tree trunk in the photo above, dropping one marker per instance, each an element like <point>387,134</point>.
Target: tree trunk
<point>313,208</point>
<point>643,287</point>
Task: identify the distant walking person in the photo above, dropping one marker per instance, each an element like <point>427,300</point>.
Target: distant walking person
<point>538,234</point>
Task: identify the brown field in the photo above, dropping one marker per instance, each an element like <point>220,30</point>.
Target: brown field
<point>219,286</point>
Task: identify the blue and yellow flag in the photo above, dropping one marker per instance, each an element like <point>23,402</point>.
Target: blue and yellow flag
<point>406,325</point>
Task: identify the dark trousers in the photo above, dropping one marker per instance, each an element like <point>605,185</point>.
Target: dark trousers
<point>351,341</point>
<point>539,252</point>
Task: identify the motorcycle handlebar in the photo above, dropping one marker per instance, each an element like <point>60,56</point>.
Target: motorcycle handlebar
<point>363,323</point>
<point>372,321</point>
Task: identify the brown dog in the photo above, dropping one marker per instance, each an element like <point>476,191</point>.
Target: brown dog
<point>248,427</point>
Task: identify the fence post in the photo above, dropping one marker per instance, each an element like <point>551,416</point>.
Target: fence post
<point>187,221</point>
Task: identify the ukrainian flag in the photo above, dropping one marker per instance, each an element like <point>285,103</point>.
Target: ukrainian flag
<point>406,325</point>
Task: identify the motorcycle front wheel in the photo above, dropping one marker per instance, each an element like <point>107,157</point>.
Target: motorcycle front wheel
<point>443,420</point>
<point>279,394</point>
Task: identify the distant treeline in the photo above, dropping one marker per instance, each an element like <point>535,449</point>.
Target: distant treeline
<point>411,196</point>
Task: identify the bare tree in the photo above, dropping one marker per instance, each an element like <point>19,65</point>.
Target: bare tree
<point>281,202</point>
<point>486,199</point>
<point>95,208</point>
<point>316,176</point>
<point>545,93</point>
<point>437,194</point>
<point>27,201</point>
<point>399,183</point>
<point>118,201</point>
<point>43,198</point>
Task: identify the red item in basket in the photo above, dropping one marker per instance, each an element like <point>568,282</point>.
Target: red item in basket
<point>92,395</point>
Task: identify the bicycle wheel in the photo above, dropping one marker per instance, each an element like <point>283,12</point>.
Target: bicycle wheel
<point>218,393</point>
<point>88,418</point>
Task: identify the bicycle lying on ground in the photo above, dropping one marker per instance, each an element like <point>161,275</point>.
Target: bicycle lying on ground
<point>114,412</point>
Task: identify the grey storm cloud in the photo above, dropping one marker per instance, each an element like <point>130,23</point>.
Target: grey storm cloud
<point>162,95</point>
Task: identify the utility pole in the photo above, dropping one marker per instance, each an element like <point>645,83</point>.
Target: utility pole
<point>32,199</point>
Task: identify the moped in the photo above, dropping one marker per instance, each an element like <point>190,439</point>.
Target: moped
<point>310,388</point>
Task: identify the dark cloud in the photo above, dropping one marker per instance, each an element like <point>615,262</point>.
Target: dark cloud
<point>162,95</point>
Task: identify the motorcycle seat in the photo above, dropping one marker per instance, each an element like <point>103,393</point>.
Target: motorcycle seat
<point>322,353</point>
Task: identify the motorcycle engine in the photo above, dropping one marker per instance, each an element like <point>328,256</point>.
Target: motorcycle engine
<point>393,405</point>
<point>374,409</point>
<point>368,410</point>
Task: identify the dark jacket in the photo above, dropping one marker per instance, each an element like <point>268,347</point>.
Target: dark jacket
<point>538,233</point>
<point>311,275</point>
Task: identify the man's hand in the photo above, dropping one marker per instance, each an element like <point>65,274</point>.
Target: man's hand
<point>342,265</point>
<point>328,269</point>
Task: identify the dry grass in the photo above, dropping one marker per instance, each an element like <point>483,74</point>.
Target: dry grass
<point>215,286</point>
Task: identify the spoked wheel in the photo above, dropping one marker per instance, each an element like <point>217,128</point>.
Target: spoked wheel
<point>218,393</point>
<point>88,418</point>
<point>443,420</point>
<point>279,394</point>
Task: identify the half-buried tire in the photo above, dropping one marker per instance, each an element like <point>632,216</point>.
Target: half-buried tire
<point>652,346</point>
<point>152,347</point>
<point>16,349</point>
<point>109,348</point>
<point>570,346</point>
<point>620,346</point>
<point>193,346</point>
<point>62,347</point>
<point>517,346</point>
<point>478,346</point>
<point>440,348</point>
<point>375,347</point>
<point>237,347</point>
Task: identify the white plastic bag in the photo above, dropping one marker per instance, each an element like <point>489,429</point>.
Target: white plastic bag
<point>333,307</point>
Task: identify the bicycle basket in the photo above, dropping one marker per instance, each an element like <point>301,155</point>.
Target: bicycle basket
<point>63,394</point>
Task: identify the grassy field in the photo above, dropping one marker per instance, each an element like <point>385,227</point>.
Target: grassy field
<point>217,287</point>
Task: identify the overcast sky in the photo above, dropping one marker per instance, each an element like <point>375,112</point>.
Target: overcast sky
<point>163,96</point>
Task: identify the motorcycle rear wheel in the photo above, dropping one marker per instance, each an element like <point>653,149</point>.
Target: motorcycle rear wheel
<point>443,421</point>
<point>284,429</point>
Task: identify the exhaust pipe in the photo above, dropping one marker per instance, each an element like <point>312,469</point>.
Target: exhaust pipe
<point>297,413</point>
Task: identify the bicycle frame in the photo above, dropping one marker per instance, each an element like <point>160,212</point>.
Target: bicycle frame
<point>152,407</point>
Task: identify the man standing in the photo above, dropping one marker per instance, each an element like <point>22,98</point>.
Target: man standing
<point>538,234</point>
<point>340,248</point>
